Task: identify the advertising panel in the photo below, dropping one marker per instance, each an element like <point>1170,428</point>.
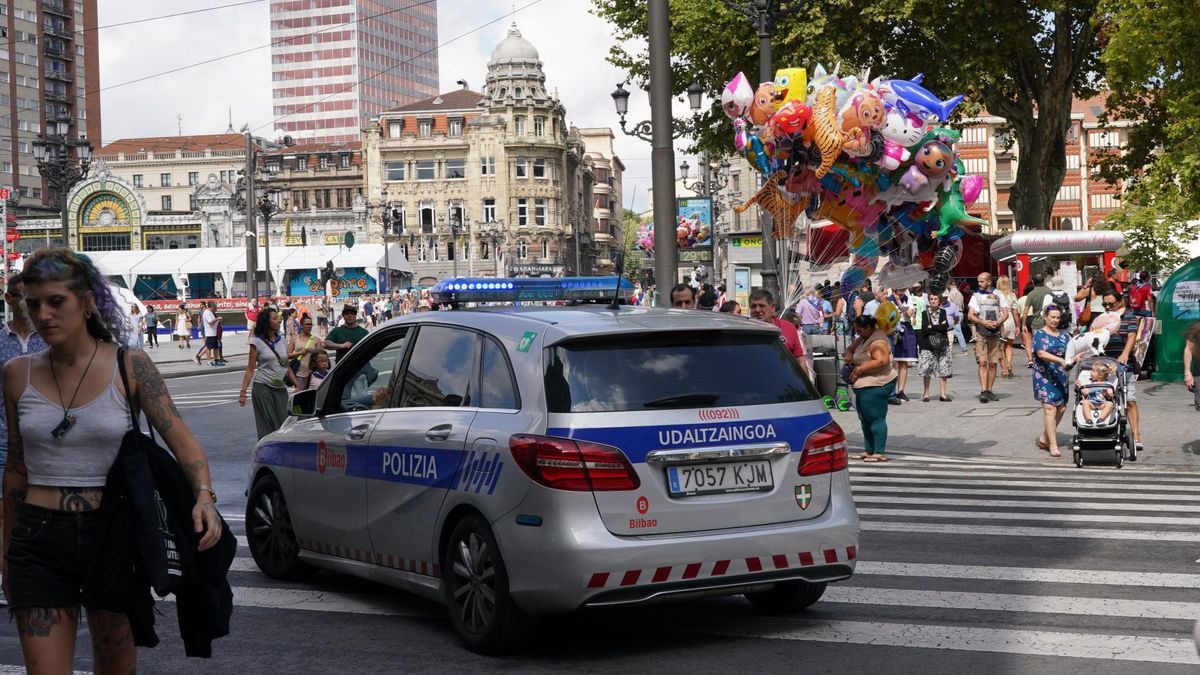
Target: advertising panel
<point>693,223</point>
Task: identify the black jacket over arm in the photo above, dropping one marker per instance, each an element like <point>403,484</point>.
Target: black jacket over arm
<point>928,329</point>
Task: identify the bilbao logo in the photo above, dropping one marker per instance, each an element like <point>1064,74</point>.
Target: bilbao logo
<point>329,459</point>
<point>719,414</point>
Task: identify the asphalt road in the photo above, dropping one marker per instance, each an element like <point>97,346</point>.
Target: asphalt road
<point>985,565</point>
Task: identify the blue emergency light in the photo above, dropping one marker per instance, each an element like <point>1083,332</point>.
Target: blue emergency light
<point>484,289</point>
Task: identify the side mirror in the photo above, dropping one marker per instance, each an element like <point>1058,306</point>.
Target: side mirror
<point>304,403</point>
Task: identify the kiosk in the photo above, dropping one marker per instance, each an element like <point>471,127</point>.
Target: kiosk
<point>1177,308</point>
<point>1017,251</point>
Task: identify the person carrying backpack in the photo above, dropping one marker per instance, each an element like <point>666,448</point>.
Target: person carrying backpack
<point>1141,296</point>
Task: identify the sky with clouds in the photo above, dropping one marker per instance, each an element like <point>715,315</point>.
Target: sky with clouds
<point>232,47</point>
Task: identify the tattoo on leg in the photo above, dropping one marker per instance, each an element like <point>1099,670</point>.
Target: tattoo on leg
<point>79,499</point>
<point>39,621</point>
<point>152,393</point>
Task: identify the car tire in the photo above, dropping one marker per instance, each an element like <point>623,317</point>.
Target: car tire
<point>269,533</point>
<point>787,596</point>
<point>472,570</point>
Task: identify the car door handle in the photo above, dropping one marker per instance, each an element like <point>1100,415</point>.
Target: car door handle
<point>357,433</point>
<point>439,433</point>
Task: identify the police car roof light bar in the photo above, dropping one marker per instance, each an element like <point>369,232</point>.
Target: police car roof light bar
<point>488,289</point>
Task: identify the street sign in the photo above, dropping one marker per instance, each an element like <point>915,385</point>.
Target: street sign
<point>4,193</point>
<point>348,240</point>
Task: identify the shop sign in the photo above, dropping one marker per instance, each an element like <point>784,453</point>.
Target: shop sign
<point>533,270</point>
<point>746,241</point>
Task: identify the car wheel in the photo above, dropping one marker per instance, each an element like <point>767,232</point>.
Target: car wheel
<point>787,596</point>
<point>269,533</point>
<point>475,584</point>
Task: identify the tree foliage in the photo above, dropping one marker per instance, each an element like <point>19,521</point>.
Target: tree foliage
<point>635,258</point>
<point>1157,226</point>
<point>1020,59</point>
<point>1153,72</point>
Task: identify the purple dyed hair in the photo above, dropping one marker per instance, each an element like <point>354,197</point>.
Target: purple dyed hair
<point>76,270</point>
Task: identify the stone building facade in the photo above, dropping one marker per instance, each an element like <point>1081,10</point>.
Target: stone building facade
<point>324,193</point>
<point>484,183</point>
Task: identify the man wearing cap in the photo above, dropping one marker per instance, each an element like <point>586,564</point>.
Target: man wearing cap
<point>342,338</point>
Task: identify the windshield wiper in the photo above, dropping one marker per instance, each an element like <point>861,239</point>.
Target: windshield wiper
<point>697,398</point>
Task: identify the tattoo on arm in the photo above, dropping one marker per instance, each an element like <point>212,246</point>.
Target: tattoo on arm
<point>152,393</point>
<point>193,469</point>
<point>75,499</point>
<point>16,452</point>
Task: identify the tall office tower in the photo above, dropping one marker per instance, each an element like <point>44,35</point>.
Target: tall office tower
<point>49,73</point>
<point>337,63</point>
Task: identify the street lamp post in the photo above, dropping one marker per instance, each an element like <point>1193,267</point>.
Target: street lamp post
<point>456,225</point>
<point>391,220</point>
<point>763,14</point>
<point>660,132</point>
<point>55,164</point>
<point>491,230</point>
<point>268,207</point>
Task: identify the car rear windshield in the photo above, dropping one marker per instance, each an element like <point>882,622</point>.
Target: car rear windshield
<point>660,371</point>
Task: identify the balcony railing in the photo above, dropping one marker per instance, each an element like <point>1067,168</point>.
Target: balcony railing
<point>60,75</point>
<point>58,7</point>
<point>58,31</point>
<point>58,52</point>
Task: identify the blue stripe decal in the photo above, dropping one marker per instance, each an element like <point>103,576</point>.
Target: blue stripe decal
<point>471,471</point>
<point>635,442</point>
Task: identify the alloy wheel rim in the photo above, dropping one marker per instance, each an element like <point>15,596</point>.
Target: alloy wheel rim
<point>474,587</point>
<point>272,527</point>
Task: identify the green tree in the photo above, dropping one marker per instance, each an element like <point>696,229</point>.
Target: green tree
<point>1157,225</point>
<point>1152,68</point>
<point>635,258</point>
<point>1021,59</point>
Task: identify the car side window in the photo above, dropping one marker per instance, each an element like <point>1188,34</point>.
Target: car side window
<point>441,369</point>
<point>370,383</point>
<point>496,386</point>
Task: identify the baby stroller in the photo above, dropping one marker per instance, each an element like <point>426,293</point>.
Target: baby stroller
<point>1106,439</point>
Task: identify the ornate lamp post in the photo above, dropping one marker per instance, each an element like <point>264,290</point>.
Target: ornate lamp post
<point>268,206</point>
<point>55,164</point>
<point>492,231</point>
<point>660,132</point>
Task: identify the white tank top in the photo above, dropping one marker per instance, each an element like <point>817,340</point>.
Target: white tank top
<point>83,456</point>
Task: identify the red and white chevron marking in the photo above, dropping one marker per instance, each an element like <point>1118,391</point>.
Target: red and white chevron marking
<point>415,566</point>
<point>720,568</point>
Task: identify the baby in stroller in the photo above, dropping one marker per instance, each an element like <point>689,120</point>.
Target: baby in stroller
<point>1097,389</point>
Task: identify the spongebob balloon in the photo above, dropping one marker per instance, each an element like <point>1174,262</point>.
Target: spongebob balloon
<point>791,84</point>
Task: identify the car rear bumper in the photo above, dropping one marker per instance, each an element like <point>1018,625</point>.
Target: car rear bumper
<point>572,560</point>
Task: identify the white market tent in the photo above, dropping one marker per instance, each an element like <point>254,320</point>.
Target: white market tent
<point>127,266</point>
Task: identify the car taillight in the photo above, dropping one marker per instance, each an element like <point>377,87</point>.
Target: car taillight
<point>566,464</point>
<point>824,451</point>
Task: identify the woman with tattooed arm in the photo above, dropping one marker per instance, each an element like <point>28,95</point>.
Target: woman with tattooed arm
<point>67,416</point>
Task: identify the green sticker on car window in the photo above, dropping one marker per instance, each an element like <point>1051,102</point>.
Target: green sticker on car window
<point>526,341</point>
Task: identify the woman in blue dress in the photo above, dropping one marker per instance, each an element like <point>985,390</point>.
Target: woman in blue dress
<point>1050,377</point>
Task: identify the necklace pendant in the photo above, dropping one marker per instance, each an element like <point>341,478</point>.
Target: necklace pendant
<point>63,427</point>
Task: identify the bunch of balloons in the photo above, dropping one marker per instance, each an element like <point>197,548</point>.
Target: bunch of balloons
<point>874,157</point>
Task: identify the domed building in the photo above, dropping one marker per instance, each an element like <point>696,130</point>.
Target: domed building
<point>483,183</point>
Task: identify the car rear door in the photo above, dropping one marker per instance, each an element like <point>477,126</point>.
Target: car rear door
<point>723,429</point>
<point>330,504</point>
<point>416,448</point>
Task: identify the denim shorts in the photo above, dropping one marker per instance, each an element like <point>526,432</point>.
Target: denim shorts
<point>48,557</point>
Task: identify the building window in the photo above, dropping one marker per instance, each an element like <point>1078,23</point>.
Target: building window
<point>456,216</point>
<point>395,171</point>
<point>1072,133</point>
<point>539,168</point>
<point>522,212</point>
<point>976,165</point>
<point>539,212</point>
<point>975,136</point>
<point>323,162</point>
<point>520,125</point>
<point>1068,193</point>
<point>450,250</point>
<point>137,180</point>
<point>456,127</point>
<point>737,183</point>
<point>984,196</point>
<point>426,217</point>
<point>344,161</point>
<point>166,202</point>
<point>522,168</point>
<point>484,250</point>
<point>192,205</point>
<point>1103,201</point>
<point>1004,223</point>
<point>425,169</point>
<point>487,166</point>
<point>425,128</point>
<point>1072,162</point>
<point>394,129</point>
<point>522,249</point>
<point>397,216</point>
<point>489,210</point>
<point>164,179</point>
<point>193,178</point>
<point>539,126</point>
<point>456,168</point>
<point>274,165</point>
<point>545,248</point>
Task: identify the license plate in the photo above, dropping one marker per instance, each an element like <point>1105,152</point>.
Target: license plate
<point>703,479</point>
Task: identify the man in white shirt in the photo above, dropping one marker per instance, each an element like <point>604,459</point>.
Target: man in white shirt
<point>208,322</point>
<point>987,310</point>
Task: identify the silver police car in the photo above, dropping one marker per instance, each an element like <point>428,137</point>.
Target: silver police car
<point>521,462</point>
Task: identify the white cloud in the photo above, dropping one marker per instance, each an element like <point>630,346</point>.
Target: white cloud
<point>571,41</point>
